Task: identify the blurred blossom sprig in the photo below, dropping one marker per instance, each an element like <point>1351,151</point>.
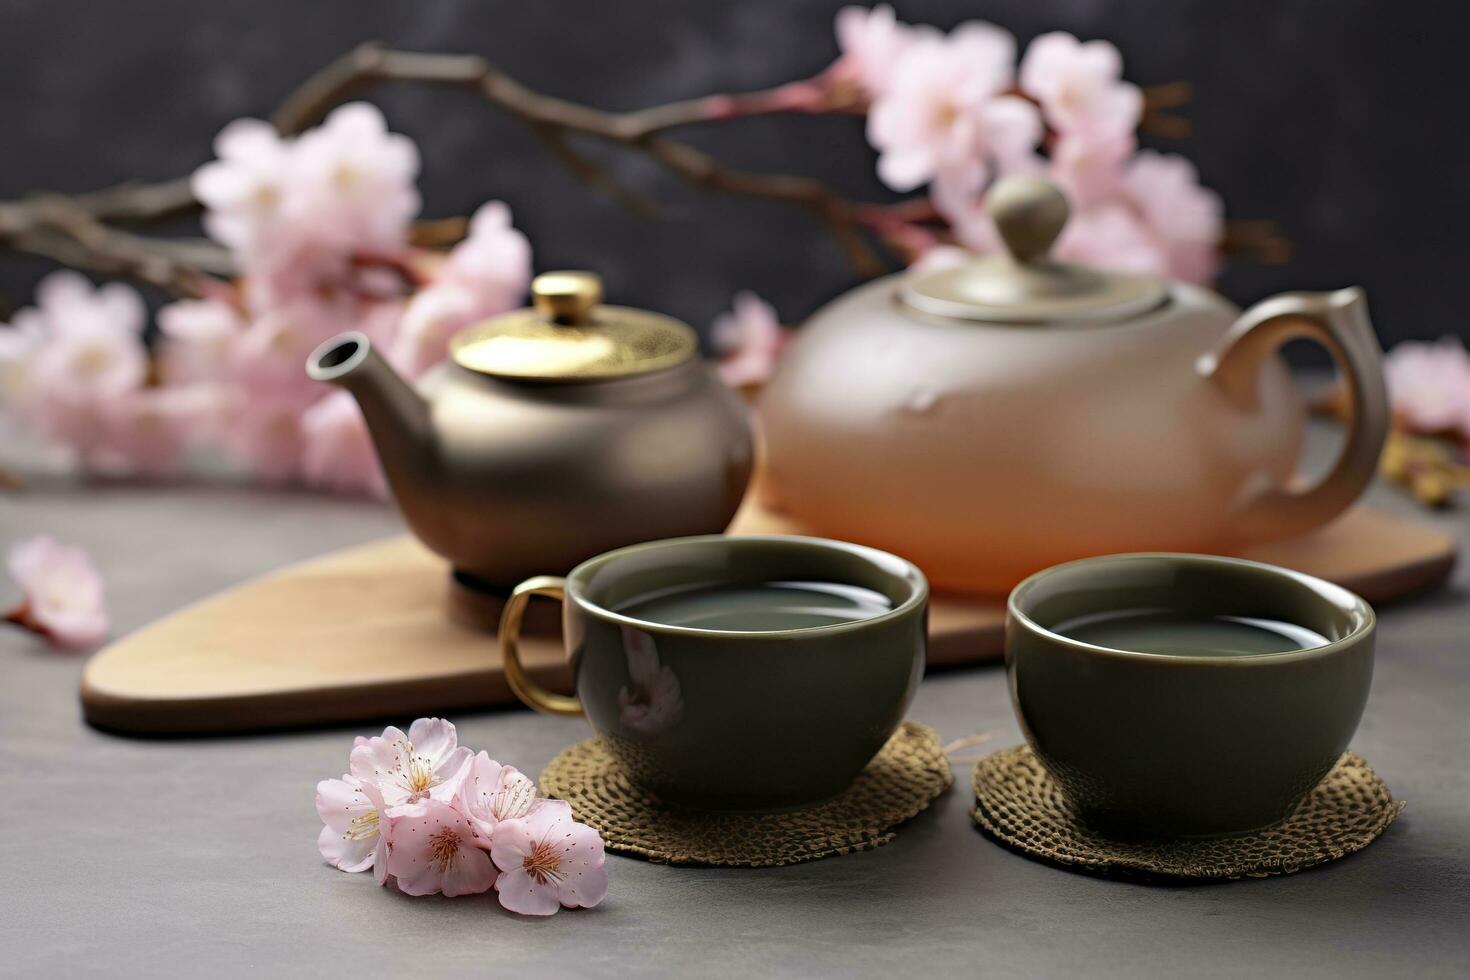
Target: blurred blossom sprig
<point>319,228</point>
<point>312,220</point>
<point>1428,442</point>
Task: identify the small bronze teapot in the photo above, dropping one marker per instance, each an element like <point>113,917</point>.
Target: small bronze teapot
<point>552,434</point>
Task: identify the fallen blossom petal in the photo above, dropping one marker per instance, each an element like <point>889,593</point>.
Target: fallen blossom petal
<point>63,596</point>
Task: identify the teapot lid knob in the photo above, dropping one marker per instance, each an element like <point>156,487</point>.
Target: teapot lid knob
<point>566,297</point>
<point>1029,213</point>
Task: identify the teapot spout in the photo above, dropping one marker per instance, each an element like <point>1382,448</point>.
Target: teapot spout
<point>397,416</point>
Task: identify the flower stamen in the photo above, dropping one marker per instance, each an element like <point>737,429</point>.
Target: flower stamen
<point>364,826</point>
<point>444,849</point>
<point>543,864</point>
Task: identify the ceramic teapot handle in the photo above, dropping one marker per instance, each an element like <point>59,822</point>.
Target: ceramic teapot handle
<point>1338,321</point>
<point>530,692</point>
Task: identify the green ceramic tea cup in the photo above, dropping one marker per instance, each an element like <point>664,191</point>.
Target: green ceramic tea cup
<point>760,713</point>
<point>1182,732</point>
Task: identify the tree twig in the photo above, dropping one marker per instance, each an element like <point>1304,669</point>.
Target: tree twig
<point>80,230</point>
<point>61,228</point>
<point>551,118</point>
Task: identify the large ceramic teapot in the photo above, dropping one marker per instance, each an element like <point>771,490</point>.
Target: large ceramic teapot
<point>991,419</point>
<point>552,434</point>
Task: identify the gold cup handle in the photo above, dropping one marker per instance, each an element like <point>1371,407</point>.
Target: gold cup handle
<point>530,692</point>
<point>1338,321</point>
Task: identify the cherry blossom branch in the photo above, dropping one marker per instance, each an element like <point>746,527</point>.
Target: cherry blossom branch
<point>67,230</point>
<point>370,65</point>
<point>79,230</point>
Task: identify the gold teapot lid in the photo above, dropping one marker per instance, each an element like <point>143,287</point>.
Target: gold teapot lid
<point>1026,285</point>
<point>568,335</point>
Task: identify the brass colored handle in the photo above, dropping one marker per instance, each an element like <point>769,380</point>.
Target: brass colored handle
<point>1338,321</point>
<point>530,692</point>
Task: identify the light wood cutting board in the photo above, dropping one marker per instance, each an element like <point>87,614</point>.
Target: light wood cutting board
<point>363,633</point>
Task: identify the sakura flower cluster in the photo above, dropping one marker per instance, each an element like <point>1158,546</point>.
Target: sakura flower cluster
<point>423,810</point>
<point>318,226</point>
<point>62,598</point>
<point>956,110</point>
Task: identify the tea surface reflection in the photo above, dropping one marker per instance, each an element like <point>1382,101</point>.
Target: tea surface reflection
<point>1165,631</point>
<point>758,607</point>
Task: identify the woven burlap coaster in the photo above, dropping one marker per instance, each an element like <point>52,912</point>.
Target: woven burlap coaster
<point>1017,803</point>
<point>903,779</point>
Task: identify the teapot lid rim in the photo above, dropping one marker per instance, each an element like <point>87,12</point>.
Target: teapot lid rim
<point>999,290</point>
<point>1026,285</point>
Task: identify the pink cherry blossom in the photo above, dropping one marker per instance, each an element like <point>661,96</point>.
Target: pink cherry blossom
<point>433,848</point>
<point>94,337</point>
<point>62,593</point>
<point>270,353</point>
<point>547,860</point>
<point>353,181</point>
<point>244,189</point>
<point>196,338</point>
<point>147,430</point>
<point>1080,86</point>
<point>652,701</point>
<point>71,304</point>
<point>1112,236</point>
<point>303,214</point>
<point>872,41</point>
<point>1429,384</point>
<point>337,451</point>
<point>963,207</point>
<point>491,793</point>
<point>263,430</point>
<point>493,262</point>
<point>750,340</point>
<point>1090,170</point>
<point>1187,219</point>
<point>426,764</point>
<point>78,363</point>
<point>20,342</point>
<point>355,823</point>
<point>944,111</point>
<point>300,268</point>
<point>433,316</point>
<point>486,274</point>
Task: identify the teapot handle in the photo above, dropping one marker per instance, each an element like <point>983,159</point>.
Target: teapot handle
<point>1338,321</point>
<point>516,675</point>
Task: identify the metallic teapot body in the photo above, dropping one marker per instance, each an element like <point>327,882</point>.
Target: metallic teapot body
<point>984,450</point>
<point>510,477</point>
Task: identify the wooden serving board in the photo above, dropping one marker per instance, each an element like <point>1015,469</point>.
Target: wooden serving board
<point>363,633</point>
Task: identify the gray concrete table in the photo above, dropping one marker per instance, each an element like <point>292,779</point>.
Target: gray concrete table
<point>124,857</point>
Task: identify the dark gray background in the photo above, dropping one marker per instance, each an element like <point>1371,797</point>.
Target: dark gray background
<point>1341,120</point>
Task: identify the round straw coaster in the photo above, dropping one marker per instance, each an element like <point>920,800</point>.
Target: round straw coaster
<point>1017,803</point>
<point>902,780</point>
